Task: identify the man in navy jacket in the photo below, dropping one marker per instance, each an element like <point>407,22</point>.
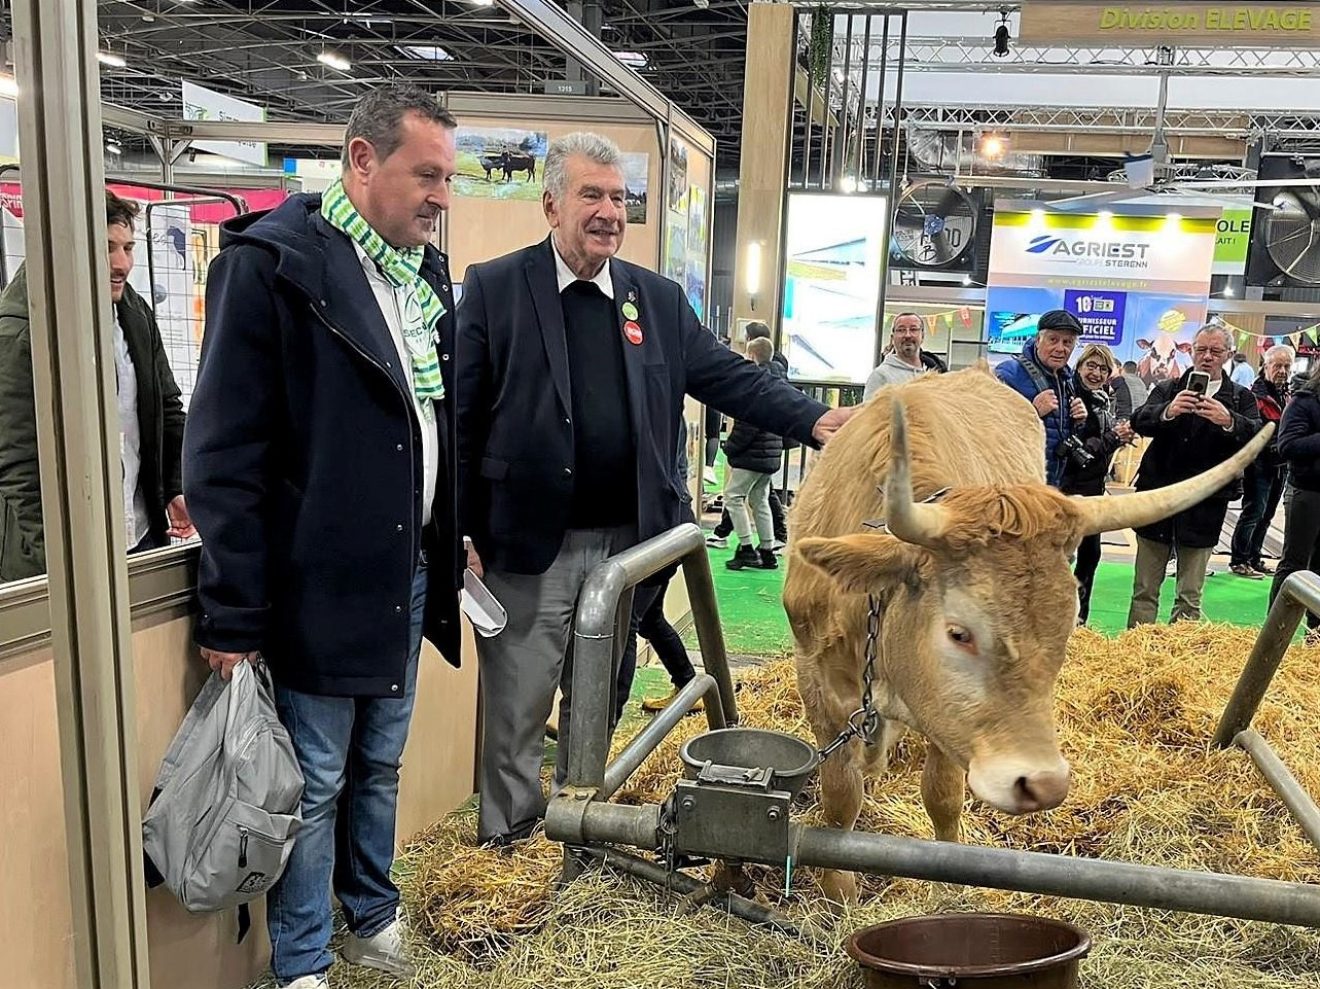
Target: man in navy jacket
<point>1041,375</point>
<point>572,371</point>
<point>320,470</point>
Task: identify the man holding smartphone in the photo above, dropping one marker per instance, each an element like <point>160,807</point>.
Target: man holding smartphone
<point>1195,422</point>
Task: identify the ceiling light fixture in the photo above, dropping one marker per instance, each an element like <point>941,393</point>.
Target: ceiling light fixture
<point>110,58</point>
<point>634,60</point>
<point>1002,36</point>
<point>425,53</point>
<point>113,148</point>
<point>334,60</point>
<point>992,146</point>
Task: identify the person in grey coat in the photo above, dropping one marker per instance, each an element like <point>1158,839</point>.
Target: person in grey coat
<point>905,359</point>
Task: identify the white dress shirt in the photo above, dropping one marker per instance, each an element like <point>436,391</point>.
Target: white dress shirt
<point>137,519</point>
<point>564,273</point>
<point>391,302</point>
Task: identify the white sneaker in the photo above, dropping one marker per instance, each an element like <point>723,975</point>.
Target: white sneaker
<point>309,982</point>
<point>384,950</point>
<point>718,542</point>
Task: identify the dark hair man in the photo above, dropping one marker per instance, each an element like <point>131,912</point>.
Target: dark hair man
<point>321,471</point>
<point>150,416</point>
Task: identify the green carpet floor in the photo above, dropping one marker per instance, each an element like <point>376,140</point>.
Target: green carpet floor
<point>754,621</point>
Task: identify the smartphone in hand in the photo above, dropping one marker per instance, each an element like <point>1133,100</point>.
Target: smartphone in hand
<point>1198,382</point>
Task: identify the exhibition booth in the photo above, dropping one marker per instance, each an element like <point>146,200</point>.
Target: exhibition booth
<point>97,665</point>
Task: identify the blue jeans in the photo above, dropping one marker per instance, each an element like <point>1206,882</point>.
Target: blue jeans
<point>1261,489</point>
<point>349,749</point>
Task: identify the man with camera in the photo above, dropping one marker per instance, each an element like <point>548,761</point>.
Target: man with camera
<point>1195,422</point>
<point>1041,375</point>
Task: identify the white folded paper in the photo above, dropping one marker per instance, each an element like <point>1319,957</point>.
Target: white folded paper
<point>483,610</point>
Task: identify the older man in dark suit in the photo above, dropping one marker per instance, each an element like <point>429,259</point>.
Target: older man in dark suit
<point>572,368</point>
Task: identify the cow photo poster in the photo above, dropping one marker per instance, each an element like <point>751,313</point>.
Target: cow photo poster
<point>500,163</point>
<point>637,181</point>
<point>1137,282</point>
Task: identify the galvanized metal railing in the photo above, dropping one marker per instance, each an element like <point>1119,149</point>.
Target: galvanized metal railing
<point>581,815</point>
<point>1299,594</point>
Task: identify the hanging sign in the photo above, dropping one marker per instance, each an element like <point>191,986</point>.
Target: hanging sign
<point>1137,282</point>
<point>1261,25</point>
<point>200,103</point>
<point>1233,236</point>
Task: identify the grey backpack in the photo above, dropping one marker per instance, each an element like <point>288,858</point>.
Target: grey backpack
<point>222,820</point>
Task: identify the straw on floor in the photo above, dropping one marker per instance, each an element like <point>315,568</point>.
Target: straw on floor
<point>1135,716</point>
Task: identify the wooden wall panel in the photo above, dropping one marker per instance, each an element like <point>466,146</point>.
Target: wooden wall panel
<point>34,876</point>
<point>197,951</point>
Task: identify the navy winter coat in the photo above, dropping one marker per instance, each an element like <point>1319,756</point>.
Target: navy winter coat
<point>1058,424</point>
<point>303,463</point>
<point>1299,439</point>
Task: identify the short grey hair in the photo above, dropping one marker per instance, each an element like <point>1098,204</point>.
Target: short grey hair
<point>599,149</point>
<point>1276,350</point>
<point>378,117</point>
<point>1217,328</point>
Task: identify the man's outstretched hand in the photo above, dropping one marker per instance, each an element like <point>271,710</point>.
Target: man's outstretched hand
<point>829,424</point>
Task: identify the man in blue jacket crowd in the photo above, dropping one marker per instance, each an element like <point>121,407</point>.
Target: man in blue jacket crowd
<point>572,371</point>
<point>320,471</point>
<point>1041,375</point>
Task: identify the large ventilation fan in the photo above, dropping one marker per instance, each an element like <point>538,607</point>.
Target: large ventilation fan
<point>1291,233</point>
<point>934,223</point>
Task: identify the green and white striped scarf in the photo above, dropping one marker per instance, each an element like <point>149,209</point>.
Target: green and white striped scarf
<point>402,269</point>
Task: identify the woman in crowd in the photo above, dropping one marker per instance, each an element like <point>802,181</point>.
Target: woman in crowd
<point>1099,437</point>
<point>1299,446</point>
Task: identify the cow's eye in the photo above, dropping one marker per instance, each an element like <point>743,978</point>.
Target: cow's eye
<point>962,638</point>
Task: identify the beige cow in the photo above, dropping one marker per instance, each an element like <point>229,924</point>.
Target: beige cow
<point>976,592</point>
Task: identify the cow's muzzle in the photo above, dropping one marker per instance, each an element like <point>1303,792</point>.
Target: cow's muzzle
<point>1017,786</point>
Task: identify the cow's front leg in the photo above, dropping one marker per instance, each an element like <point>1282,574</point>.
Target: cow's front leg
<point>942,788</point>
<point>841,802</point>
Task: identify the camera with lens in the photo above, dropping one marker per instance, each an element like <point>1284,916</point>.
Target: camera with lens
<point>1075,452</point>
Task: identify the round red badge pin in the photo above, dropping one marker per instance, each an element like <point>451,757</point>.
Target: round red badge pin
<point>633,332</point>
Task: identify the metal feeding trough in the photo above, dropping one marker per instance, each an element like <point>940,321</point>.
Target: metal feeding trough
<point>740,785</point>
<point>972,950</point>
<point>750,757</point>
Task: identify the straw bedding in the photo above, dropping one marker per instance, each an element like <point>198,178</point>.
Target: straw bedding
<point>1135,714</point>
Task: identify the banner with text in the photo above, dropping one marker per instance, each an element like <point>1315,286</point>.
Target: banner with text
<point>200,103</point>
<point>1257,24</point>
<point>1138,284</point>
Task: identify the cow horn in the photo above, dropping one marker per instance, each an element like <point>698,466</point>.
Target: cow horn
<point>1103,514</point>
<point>922,524</point>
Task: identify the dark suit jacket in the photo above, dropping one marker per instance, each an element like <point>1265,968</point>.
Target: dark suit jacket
<point>1184,447</point>
<point>516,452</point>
<point>303,463</point>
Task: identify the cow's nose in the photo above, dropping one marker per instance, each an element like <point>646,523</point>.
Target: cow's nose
<point>1041,791</point>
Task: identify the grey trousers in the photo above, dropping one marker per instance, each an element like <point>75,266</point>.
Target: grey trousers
<point>747,492</point>
<point>1152,558</point>
<point>520,670</point>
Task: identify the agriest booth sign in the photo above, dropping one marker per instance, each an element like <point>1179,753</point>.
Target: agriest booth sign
<point>1137,283</point>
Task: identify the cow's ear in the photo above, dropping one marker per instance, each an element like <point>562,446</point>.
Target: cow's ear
<point>866,562</point>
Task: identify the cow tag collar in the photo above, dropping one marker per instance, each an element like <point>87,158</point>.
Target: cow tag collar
<point>880,525</point>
